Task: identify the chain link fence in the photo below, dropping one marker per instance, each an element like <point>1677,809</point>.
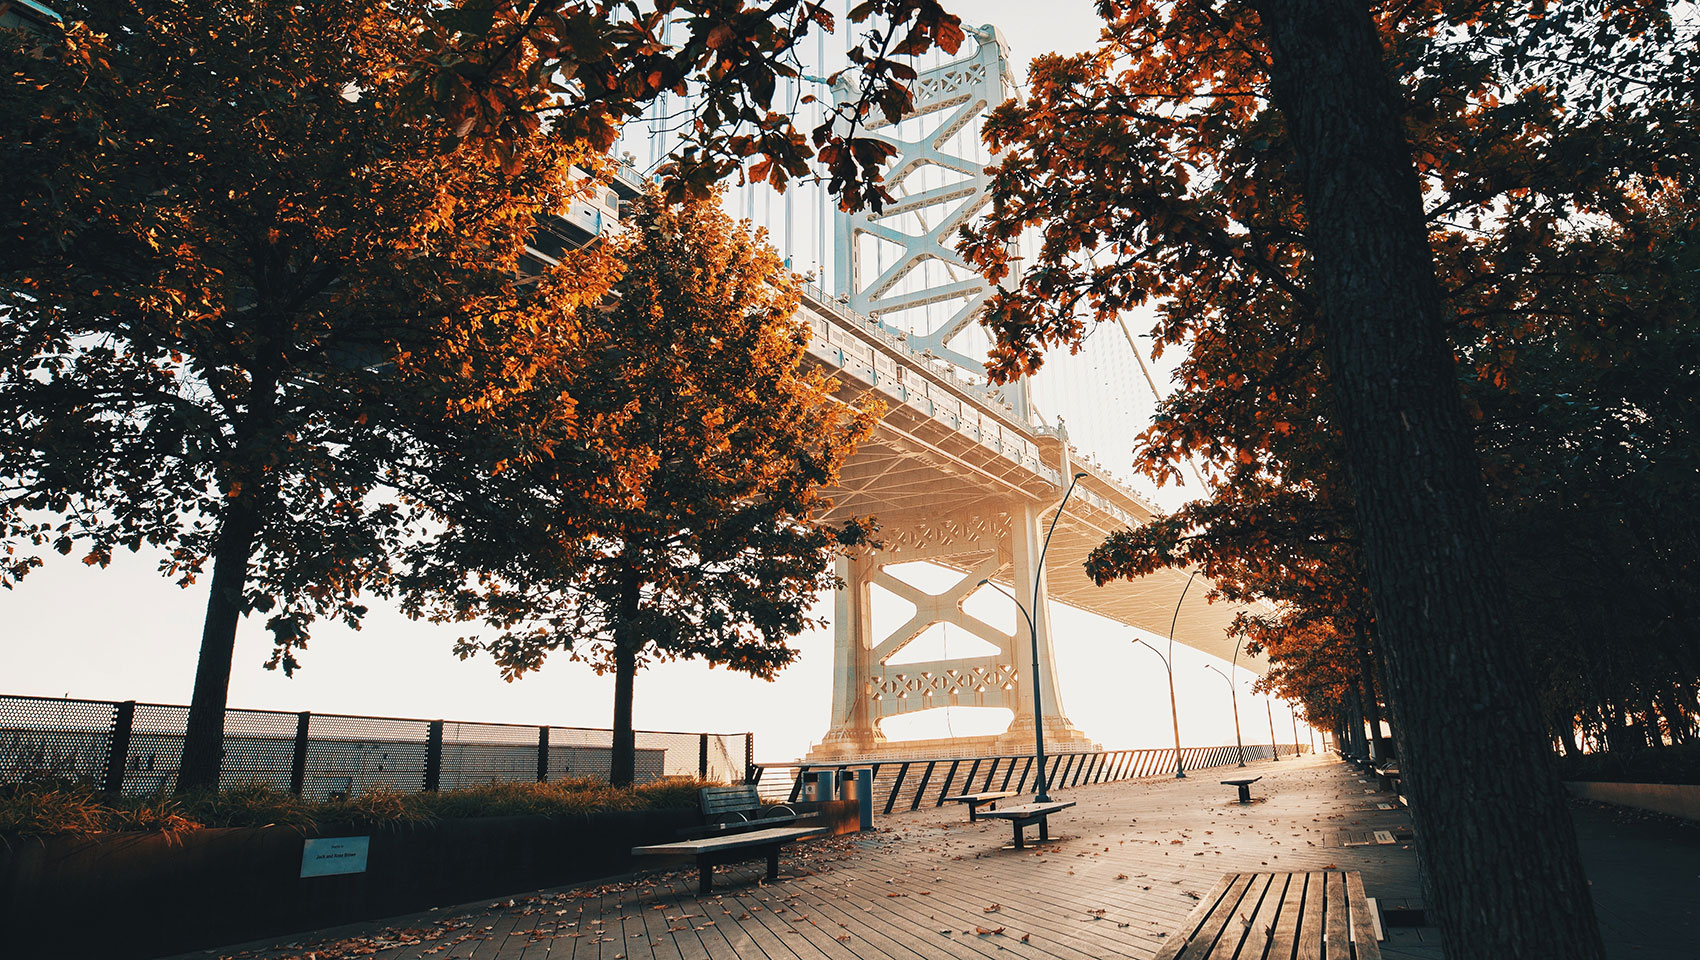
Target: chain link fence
<point>135,748</point>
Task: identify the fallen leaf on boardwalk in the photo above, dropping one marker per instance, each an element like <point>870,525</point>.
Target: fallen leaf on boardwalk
<point>1121,876</point>
<point>842,937</point>
<point>994,908</point>
<point>1026,937</point>
<point>982,931</point>
<point>897,894</point>
<point>1192,895</point>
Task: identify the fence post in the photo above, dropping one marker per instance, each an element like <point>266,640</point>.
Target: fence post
<point>749,756</point>
<point>542,754</point>
<point>702,756</point>
<point>298,757</point>
<point>434,756</point>
<point>118,751</point>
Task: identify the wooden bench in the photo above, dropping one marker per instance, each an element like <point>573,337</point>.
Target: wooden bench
<point>736,809</point>
<point>713,851</point>
<point>1021,815</point>
<point>1245,787</point>
<point>976,800</point>
<point>1306,916</point>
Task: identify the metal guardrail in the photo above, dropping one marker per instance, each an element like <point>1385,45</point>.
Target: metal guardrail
<point>135,748</point>
<point>900,785</point>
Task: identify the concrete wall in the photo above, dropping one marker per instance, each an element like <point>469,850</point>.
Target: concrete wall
<point>1678,800</point>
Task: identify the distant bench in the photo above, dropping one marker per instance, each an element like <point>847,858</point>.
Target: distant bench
<point>976,800</point>
<point>711,852</point>
<point>1022,815</point>
<point>1298,915</point>
<point>1245,787</point>
<point>736,809</point>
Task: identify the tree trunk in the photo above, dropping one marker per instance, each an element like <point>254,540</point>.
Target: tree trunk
<point>1390,711</point>
<point>203,742</point>
<point>1504,878</point>
<point>622,767</point>
<point>1354,742</point>
<point>1372,706</point>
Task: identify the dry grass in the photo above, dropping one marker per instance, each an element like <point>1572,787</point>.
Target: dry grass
<point>50,808</point>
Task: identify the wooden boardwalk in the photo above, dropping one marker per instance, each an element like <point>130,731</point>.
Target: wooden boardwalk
<point>1123,868</point>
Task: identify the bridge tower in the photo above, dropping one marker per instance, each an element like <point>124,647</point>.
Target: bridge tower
<point>899,269</point>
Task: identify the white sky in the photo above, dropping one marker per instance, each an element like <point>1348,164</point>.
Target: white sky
<point>126,633</point>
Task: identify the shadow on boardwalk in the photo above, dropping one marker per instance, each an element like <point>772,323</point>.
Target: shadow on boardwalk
<point>1123,869</point>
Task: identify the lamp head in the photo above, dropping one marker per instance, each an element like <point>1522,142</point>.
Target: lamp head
<point>983,582</point>
<point>1079,475</point>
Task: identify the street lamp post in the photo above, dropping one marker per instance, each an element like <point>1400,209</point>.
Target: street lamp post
<point>1174,715</point>
<point>1043,795</point>
<point>1274,748</point>
<point>1234,695</point>
<point>1295,718</point>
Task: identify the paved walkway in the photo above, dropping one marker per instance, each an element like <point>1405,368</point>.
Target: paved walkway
<point>1123,868</point>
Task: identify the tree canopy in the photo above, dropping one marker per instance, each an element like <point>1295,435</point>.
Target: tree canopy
<point>679,520</point>
<point>1390,243</point>
<point>262,288</point>
<point>252,307</point>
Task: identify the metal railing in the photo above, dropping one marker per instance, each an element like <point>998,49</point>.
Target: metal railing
<point>135,748</point>
<point>907,784</point>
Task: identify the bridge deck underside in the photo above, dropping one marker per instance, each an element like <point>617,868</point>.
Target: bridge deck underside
<point>905,478</point>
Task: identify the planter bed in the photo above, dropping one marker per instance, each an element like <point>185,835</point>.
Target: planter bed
<point>138,895</point>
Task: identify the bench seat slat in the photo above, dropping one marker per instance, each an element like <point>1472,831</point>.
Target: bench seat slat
<point>1178,940</point>
<point>1339,941</point>
<point>754,838</point>
<point>1283,942</point>
<point>1262,926</point>
<point>1363,925</point>
<point>1204,941</point>
<point>1310,935</point>
<point>1237,923</point>
<point>981,797</point>
<point>1321,915</point>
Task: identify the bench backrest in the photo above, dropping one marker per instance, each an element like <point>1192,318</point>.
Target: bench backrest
<point>723,801</point>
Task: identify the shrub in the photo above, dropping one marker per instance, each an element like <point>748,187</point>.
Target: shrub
<point>50,807</point>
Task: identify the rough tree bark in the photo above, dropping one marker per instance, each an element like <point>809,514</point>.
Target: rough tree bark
<point>1504,879</point>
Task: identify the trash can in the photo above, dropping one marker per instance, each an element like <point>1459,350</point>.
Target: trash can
<point>857,785</point>
<point>818,785</point>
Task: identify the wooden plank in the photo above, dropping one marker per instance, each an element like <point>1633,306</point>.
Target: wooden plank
<point>1024,810</point>
<point>1261,928</point>
<point>1363,924</point>
<point>1227,891</point>
<point>981,797</point>
<point>1311,926</point>
<point>754,838</point>
<point>1338,939</point>
<point>784,941</point>
<point>1238,919</point>
<point>721,800</point>
<point>1054,922</point>
<point>1286,937</point>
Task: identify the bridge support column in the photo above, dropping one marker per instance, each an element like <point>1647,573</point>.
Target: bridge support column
<point>852,731</point>
<point>1027,537</point>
